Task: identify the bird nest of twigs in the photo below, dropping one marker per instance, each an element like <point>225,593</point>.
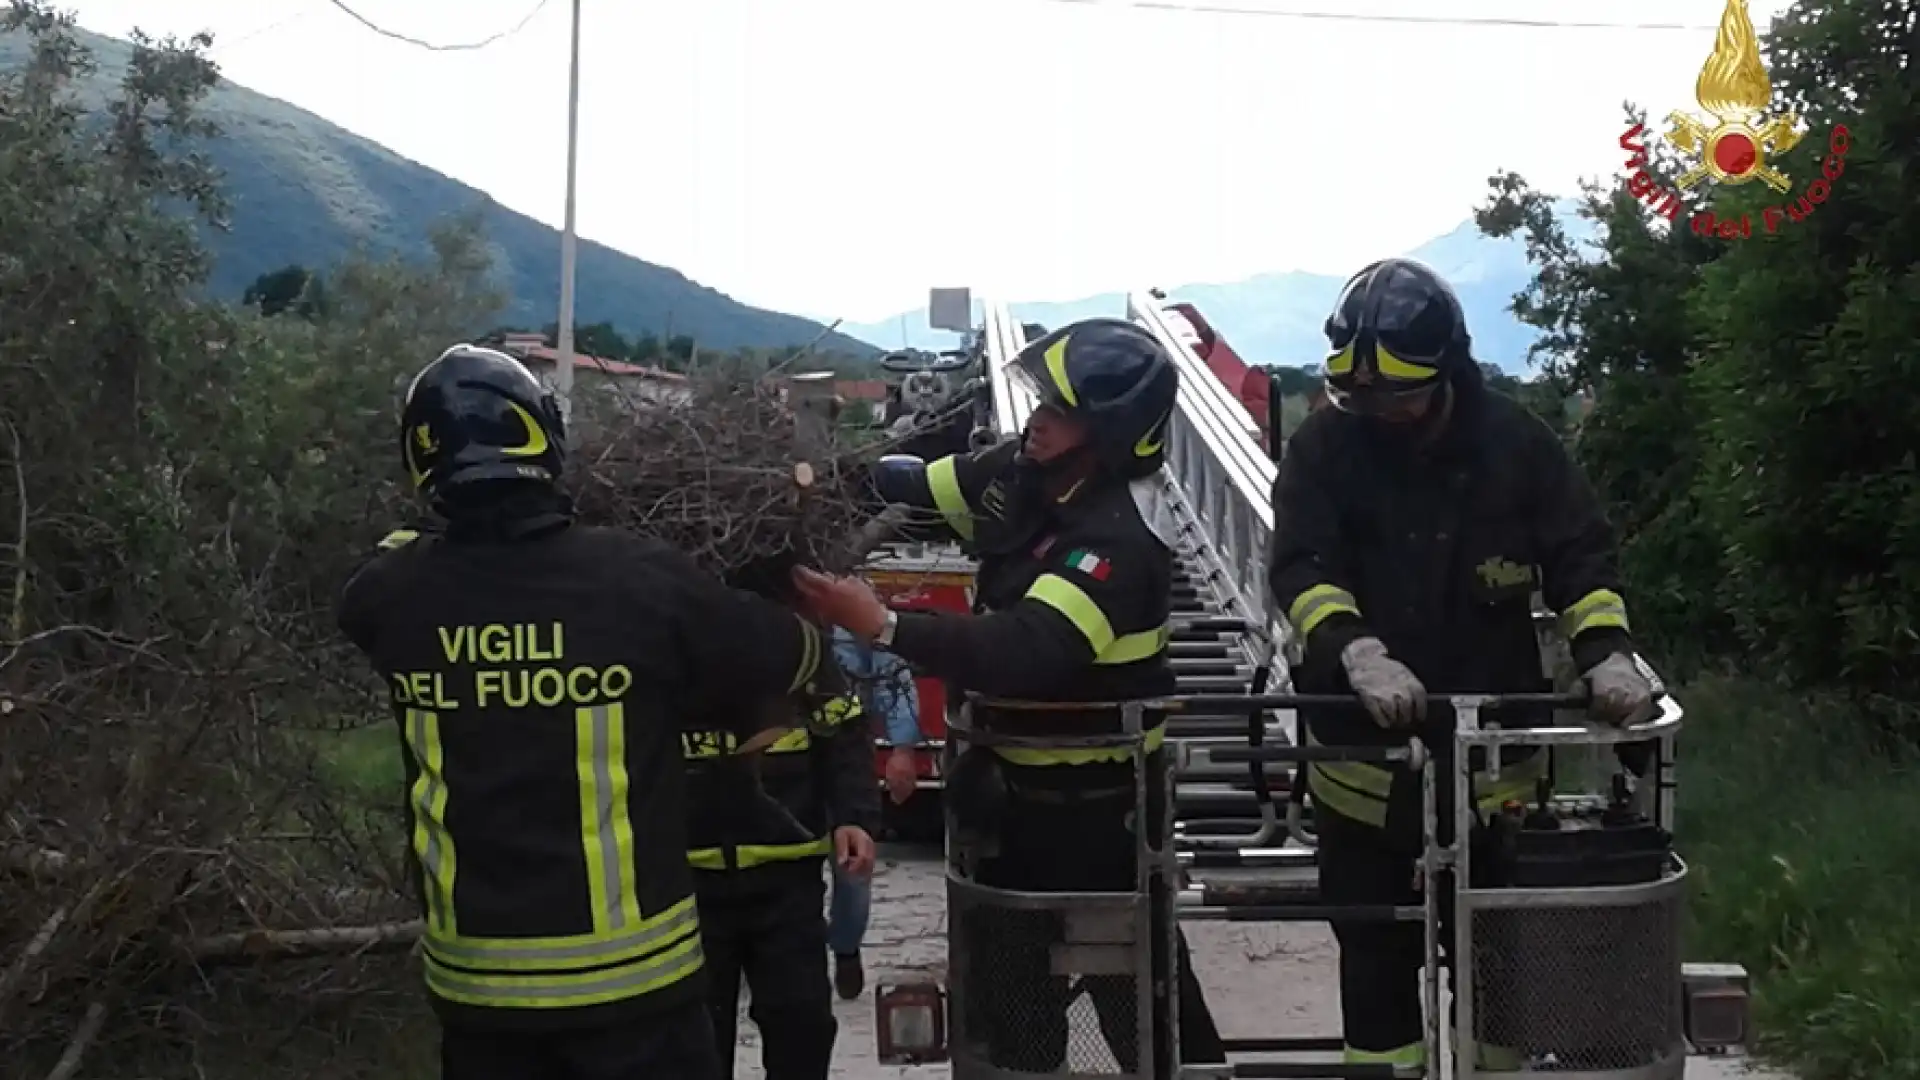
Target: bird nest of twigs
<point>735,473</point>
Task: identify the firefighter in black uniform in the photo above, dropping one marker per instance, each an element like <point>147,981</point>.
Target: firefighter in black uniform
<point>1413,523</point>
<point>1075,579</point>
<point>761,830</point>
<point>537,669</point>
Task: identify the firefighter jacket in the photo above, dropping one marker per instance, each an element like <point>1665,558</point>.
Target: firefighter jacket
<point>755,814</point>
<point>537,686</point>
<point>1437,550</point>
<point>1077,596</point>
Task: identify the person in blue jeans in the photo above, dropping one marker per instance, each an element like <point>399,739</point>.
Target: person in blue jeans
<point>886,688</point>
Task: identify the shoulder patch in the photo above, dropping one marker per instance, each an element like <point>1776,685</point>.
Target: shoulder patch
<point>399,538</point>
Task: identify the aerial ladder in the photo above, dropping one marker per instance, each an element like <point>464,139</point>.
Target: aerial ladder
<point>1572,963</point>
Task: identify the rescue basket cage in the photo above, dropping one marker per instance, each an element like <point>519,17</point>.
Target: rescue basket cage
<point>1566,901</point>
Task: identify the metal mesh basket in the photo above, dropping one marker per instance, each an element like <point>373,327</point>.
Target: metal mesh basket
<point>1044,983</point>
<point>1561,984</point>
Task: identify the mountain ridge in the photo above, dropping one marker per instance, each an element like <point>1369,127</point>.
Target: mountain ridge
<point>305,190</point>
<point>1275,318</point>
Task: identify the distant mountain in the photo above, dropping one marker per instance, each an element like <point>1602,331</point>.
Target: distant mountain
<point>1277,318</point>
<point>307,191</point>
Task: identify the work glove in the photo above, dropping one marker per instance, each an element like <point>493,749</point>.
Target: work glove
<point>1617,693</point>
<point>1390,691</point>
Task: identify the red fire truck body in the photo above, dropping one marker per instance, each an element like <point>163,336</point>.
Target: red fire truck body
<point>923,577</point>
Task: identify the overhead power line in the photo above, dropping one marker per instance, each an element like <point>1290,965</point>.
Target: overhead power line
<point>538,7</point>
<point>1202,8</point>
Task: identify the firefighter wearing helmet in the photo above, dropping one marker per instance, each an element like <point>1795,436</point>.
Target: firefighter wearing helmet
<point>1073,594</point>
<point>1413,524</point>
<point>540,671</point>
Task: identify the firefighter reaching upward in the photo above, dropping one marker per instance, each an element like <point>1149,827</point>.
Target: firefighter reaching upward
<point>538,671</point>
<point>1075,586</point>
<point>1413,522</point>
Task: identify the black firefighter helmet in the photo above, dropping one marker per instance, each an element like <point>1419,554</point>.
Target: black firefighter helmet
<point>1114,377</point>
<point>475,416</point>
<point>1396,332</point>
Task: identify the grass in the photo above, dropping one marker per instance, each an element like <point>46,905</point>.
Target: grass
<point>1805,842</point>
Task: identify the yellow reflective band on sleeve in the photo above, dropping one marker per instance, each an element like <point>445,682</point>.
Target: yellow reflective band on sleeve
<point>1313,605</point>
<point>1599,608</point>
<point>1020,755</point>
<point>398,538</point>
<point>1072,601</point>
<point>568,990</point>
<point>943,483</point>
<point>836,712</point>
<point>559,954</point>
<point>432,843</point>
<point>809,655</point>
<point>606,830</point>
<point>1130,648</point>
<point>1412,1055</point>
<point>747,856</point>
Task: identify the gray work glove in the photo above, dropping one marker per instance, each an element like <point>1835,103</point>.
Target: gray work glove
<point>1388,688</point>
<point>1619,694</point>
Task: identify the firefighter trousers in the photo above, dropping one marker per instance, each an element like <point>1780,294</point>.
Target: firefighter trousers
<point>1381,962</point>
<point>773,939</point>
<point>676,1044</point>
<point>1016,1003</point>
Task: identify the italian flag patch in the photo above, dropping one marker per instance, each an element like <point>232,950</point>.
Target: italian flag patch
<point>1089,564</point>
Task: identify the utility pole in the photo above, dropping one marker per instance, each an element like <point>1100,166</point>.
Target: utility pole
<point>569,241</point>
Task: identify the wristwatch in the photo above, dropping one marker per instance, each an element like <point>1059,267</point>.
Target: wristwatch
<point>884,638</point>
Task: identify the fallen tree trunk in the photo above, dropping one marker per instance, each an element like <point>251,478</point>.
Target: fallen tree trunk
<point>253,945</point>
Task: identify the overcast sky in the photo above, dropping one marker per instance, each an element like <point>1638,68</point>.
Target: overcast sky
<point>837,157</point>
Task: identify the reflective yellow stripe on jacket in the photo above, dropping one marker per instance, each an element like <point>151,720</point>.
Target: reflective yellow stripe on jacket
<point>1360,791</point>
<point>1314,605</point>
<point>1599,608</point>
<point>943,483</point>
<point>836,712</point>
<point>719,743</point>
<point>625,955</point>
<point>1109,649</point>
<point>747,856</point>
<point>1070,600</point>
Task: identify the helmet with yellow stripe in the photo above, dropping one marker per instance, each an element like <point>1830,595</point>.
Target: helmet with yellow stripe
<point>475,416</point>
<point>1396,332</point>
<point>1115,378</point>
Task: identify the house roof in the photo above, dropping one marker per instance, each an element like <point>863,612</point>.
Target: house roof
<point>546,354</point>
<point>861,389</point>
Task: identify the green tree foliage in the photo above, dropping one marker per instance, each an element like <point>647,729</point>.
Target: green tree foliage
<point>291,288</point>
<point>1293,381</point>
<point>1755,431</point>
<point>186,483</point>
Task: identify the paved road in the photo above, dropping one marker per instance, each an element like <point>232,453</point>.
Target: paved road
<point>1260,980</point>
